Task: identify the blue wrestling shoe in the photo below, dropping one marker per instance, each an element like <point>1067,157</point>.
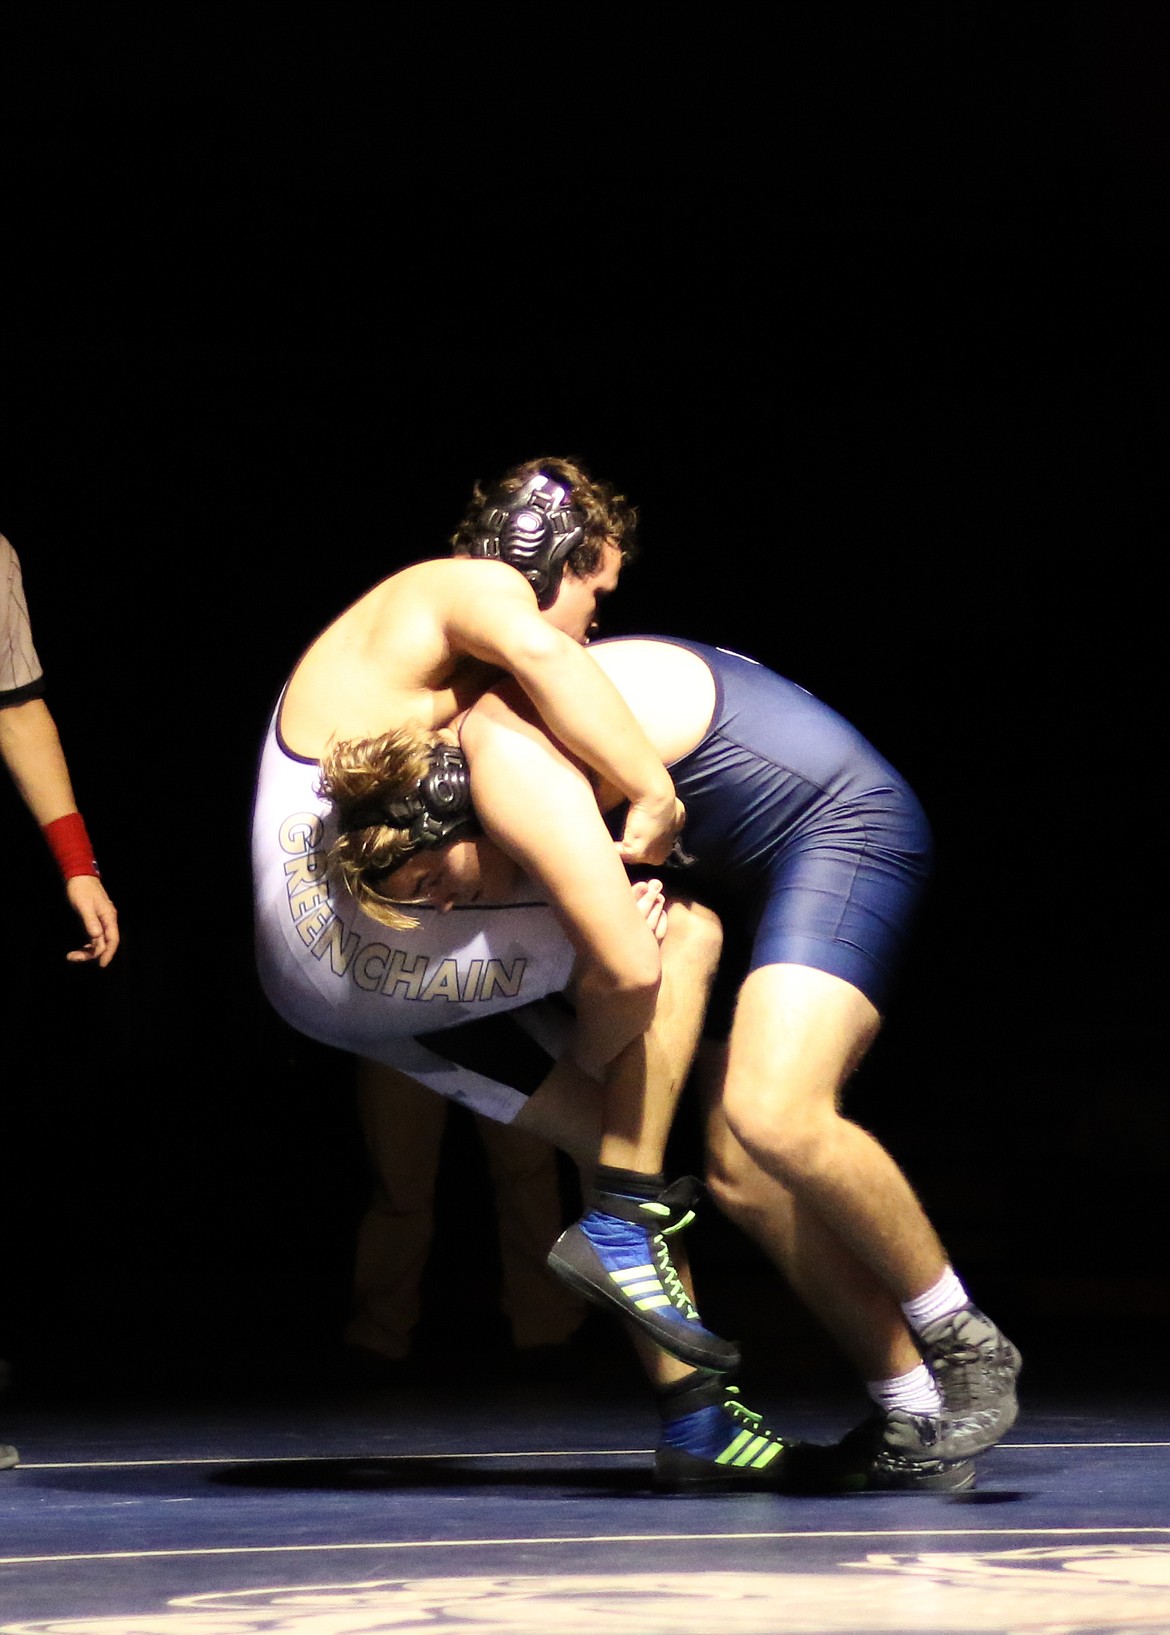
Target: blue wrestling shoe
<point>618,1255</point>
<point>713,1441</point>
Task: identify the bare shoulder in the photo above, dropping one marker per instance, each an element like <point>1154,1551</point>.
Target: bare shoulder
<point>457,573</point>
<point>670,690</point>
<point>388,659</point>
<point>454,582</point>
<point>451,600</point>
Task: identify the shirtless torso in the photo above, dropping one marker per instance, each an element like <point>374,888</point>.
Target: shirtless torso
<point>391,658</point>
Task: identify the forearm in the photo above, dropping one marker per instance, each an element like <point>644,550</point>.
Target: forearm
<point>609,1019</point>
<point>643,1085</point>
<point>585,711</point>
<point>492,615</point>
<point>32,752</point>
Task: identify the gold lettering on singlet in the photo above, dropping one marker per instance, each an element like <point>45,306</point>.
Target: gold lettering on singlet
<point>469,987</point>
<point>444,984</point>
<point>405,972</point>
<point>507,981</point>
<point>301,833</point>
<point>334,941</point>
<point>300,872</point>
<point>370,966</point>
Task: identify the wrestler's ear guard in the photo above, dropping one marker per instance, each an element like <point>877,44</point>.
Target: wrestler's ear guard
<point>438,809</point>
<point>532,530</point>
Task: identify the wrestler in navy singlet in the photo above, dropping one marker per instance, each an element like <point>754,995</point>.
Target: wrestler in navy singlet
<point>804,838</point>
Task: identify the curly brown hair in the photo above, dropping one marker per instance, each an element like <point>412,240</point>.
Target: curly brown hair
<point>608,514</point>
<point>356,775</point>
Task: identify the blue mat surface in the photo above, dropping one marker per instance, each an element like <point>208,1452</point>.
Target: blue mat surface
<point>524,1513</point>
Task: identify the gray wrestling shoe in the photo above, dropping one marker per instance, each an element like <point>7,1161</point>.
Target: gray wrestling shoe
<point>975,1368</point>
<point>896,1452</point>
<point>8,1456</point>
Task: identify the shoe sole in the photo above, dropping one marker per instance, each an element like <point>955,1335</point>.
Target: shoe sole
<point>959,1479</point>
<point>682,1474</point>
<point>682,1484</point>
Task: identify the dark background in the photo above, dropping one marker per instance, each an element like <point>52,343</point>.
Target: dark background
<point>867,314</point>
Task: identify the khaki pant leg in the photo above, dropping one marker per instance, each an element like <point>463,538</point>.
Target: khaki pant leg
<point>403,1128</point>
<point>528,1219</point>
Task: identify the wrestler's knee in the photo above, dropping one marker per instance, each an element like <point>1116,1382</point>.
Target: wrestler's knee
<point>737,1186</point>
<point>694,939</point>
<point>792,1137</point>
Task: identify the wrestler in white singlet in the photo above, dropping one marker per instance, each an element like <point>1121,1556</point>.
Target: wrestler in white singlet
<point>339,976</point>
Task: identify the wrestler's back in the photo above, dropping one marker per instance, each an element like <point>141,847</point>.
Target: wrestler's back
<point>387,661</point>
<point>756,759</point>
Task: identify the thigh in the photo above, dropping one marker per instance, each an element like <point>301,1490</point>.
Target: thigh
<point>798,1034</point>
<point>843,898</point>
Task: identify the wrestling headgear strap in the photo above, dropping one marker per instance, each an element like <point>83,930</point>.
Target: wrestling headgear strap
<point>533,530</point>
<point>438,809</point>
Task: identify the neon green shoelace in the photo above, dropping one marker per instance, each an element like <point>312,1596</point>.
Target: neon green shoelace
<point>671,1281</point>
<point>744,1415</point>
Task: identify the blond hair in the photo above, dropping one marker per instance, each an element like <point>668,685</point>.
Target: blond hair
<point>357,776</point>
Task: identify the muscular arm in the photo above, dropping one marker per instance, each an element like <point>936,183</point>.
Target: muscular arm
<point>576,701</point>
<point>541,810</point>
<point>31,750</point>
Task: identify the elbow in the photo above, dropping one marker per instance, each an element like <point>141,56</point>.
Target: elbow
<point>541,647</point>
<point>642,981</point>
<point>636,977</point>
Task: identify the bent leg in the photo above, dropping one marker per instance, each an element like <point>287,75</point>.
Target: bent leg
<point>798,1035</point>
<point>621,1254</point>
<point>625,1123</point>
<point>855,1308</point>
<point>643,1089</point>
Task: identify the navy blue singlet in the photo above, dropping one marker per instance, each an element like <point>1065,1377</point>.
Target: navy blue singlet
<point>811,847</point>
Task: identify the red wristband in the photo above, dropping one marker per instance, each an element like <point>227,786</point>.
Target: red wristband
<point>70,845</point>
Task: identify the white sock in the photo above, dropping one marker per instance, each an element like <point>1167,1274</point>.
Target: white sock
<point>914,1393</point>
<point>946,1297</point>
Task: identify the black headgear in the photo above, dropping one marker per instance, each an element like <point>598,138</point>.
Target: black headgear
<point>533,530</point>
<point>438,809</point>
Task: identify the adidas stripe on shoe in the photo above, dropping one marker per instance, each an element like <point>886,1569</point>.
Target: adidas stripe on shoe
<point>618,1255</point>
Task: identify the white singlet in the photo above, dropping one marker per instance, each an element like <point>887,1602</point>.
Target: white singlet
<point>339,976</point>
